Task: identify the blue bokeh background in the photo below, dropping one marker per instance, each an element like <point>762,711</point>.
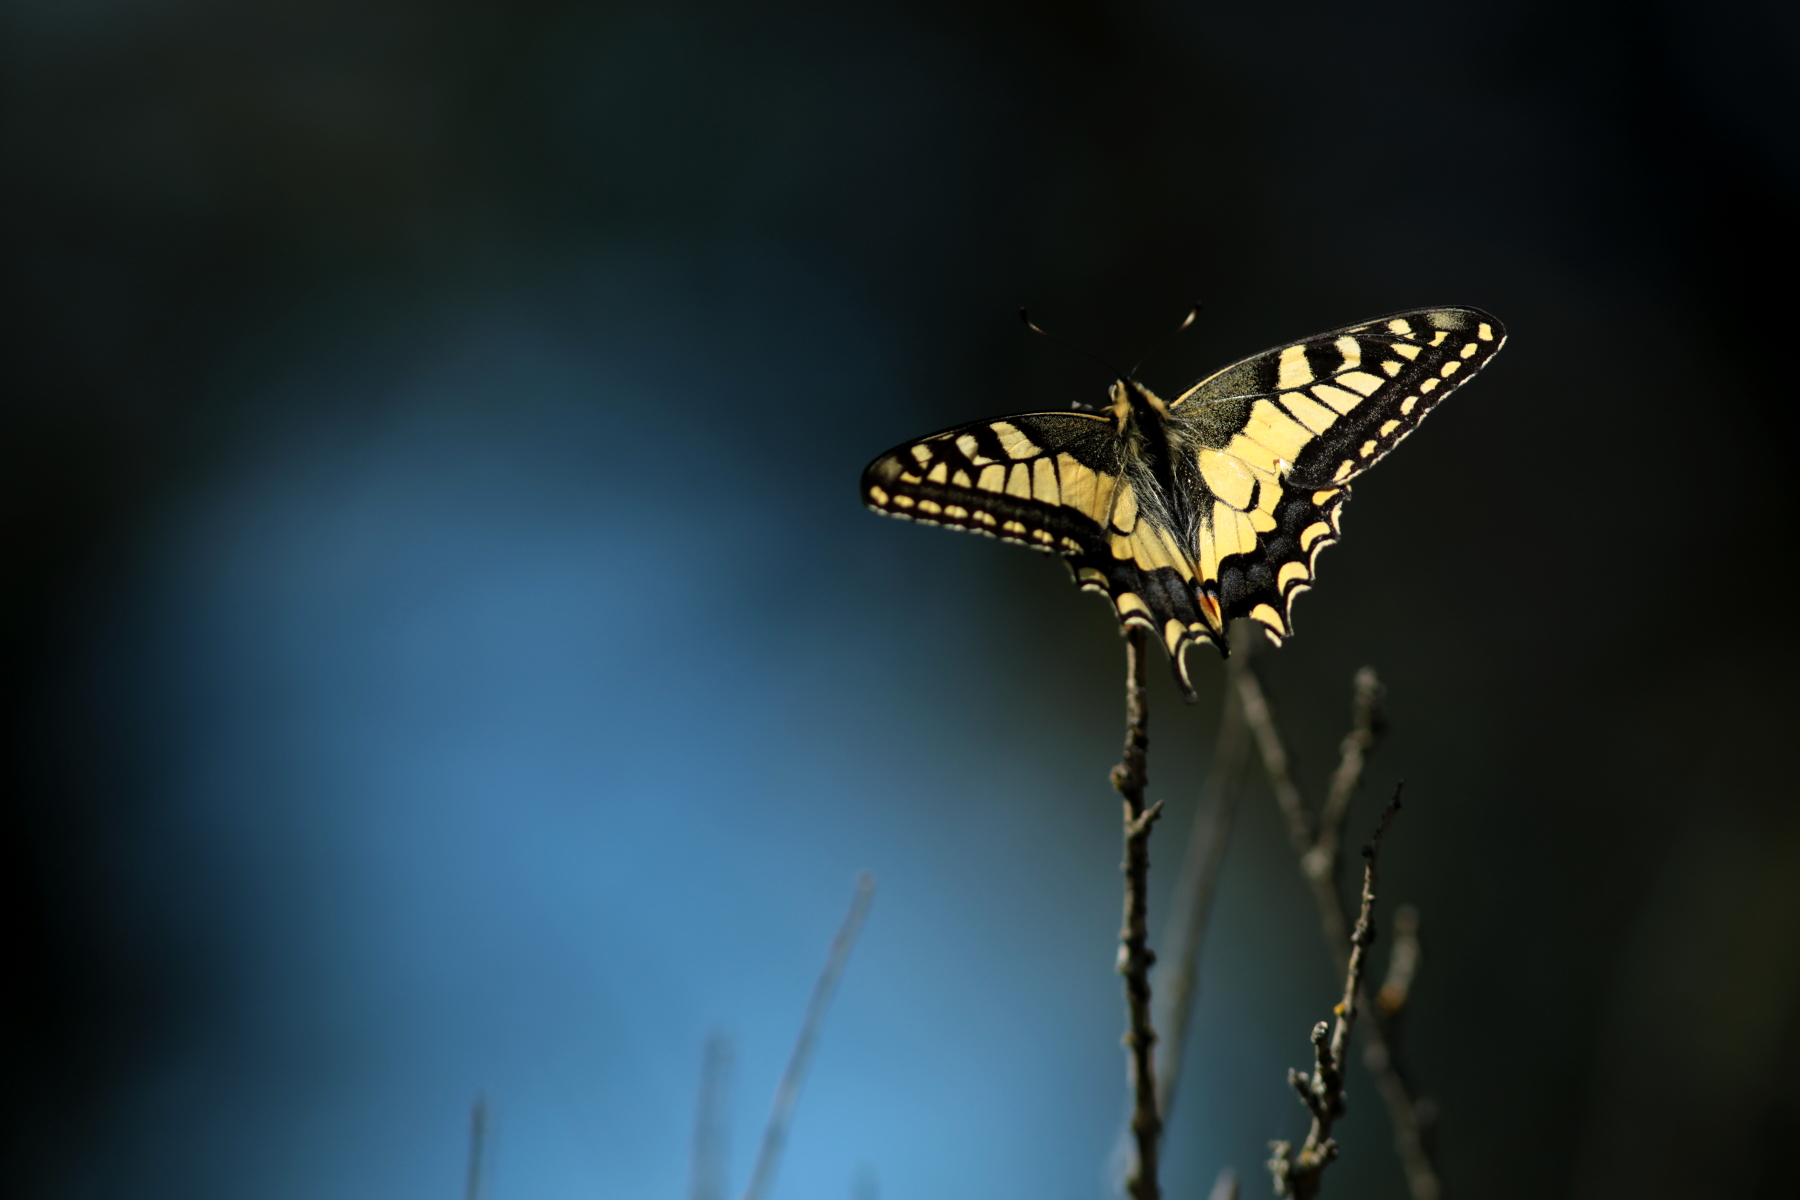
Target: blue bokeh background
<point>448,658</point>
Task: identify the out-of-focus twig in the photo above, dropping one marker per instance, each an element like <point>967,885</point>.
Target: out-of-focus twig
<point>1131,777</point>
<point>1225,1186</point>
<point>478,1123</point>
<point>1403,964</point>
<point>1322,1092</point>
<point>1413,1139</point>
<point>768,1158</point>
<point>1366,726</point>
<point>1275,761</point>
<point>712,1120</point>
<point>1319,852</point>
<point>1318,844</point>
<point>1178,980</point>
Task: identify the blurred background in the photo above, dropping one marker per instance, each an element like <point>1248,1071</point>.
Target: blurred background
<point>446,655</point>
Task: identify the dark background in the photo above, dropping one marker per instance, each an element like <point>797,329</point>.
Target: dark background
<point>445,652</point>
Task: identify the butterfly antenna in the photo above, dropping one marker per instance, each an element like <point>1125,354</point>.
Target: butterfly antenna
<point>1029,324</point>
<point>1193,313</point>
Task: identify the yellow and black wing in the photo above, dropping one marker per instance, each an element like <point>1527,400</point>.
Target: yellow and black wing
<point>1278,437</point>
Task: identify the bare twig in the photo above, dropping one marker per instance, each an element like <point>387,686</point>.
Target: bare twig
<point>1323,1091</point>
<point>478,1122</point>
<point>1178,982</point>
<point>1130,777</point>
<point>1366,723</point>
<point>1225,1186</point>
<point>711,1121</point>
<point>1319,853</point>
<point>768,1158</point>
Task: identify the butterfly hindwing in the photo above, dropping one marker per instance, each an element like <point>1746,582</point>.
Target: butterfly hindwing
<point>1213,506</point>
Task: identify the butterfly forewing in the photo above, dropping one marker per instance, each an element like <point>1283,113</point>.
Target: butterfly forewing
<point>1333,405</point>
<point>1280,435</point>
<point>1265,448</point>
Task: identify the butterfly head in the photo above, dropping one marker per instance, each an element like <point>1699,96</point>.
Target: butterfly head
<point>1131,400</point>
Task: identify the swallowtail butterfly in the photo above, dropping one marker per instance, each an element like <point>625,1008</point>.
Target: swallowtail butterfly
<point>1189,512</point>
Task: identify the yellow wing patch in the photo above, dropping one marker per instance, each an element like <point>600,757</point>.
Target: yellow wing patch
<point>1231,479</point>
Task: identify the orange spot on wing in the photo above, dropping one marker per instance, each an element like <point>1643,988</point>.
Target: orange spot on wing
<point>1210,607</point>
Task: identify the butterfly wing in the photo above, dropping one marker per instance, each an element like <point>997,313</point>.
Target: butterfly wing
<point>1278,437</point>
<point>1057,482</point>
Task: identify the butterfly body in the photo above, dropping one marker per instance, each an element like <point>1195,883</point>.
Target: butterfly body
<point>1188,513</point>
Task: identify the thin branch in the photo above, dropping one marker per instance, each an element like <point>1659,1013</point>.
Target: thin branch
<point>1323,1091</point>
<point>478,1123</point>
<point>1320,870</point>
<point>1178,982</point>
<point>712,1120</point>
<point>1363,936</point>
<point>1131,777</point>
<point>1225,1186</point>
<point>787,1095</point>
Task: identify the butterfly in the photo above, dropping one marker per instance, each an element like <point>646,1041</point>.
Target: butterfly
<point>1190,512</point>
